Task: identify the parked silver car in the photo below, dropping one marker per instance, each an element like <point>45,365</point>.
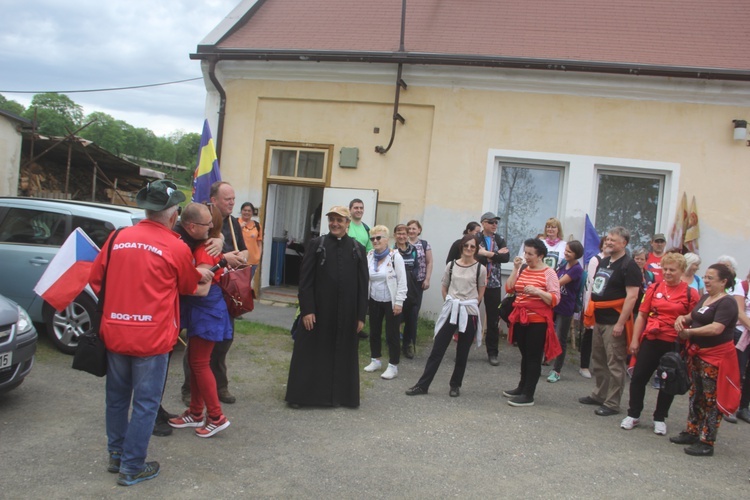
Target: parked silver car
<point>31,232</point>
<point>17,344</point>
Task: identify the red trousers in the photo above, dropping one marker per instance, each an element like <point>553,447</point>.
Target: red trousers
<point>202,381</point>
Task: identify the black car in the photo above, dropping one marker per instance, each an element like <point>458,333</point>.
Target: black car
<point>17,344</point>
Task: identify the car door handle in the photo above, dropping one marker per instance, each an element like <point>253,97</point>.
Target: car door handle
<point>39,261</point>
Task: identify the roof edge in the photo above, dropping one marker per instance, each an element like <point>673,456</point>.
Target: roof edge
<point>209,52</point>
<point>232,22</point>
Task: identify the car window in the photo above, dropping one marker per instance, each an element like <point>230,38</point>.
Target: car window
<point>98,230</point>
<point>35,227</point>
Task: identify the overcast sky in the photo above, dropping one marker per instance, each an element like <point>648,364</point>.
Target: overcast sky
<point>54,45</point>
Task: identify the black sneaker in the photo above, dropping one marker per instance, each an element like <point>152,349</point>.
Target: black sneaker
<point>114,462</point>
<point>409,351</point>
<point>522,400</point>
<point>161,426</point>
<point>493,360</point>
<point>513,392</point>
<point>416,391</point>
<point>149,472</point>
<point>455,392</point>
<point>700,449</point>
<point>684,438</point>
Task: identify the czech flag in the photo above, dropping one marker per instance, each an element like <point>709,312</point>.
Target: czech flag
<point>207,171</point>
<point>68,272</point>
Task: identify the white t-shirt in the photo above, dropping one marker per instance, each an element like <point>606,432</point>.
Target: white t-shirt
<point>555,253</point>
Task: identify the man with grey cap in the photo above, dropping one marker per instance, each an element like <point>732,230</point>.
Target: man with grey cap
<point>147,270</point>
<point>653,259</point>
<point>493,251</point>
<point>333,293</point>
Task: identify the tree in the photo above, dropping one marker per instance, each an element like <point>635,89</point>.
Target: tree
<point>11,106</point>
<point>187,149</point>
<point>631,202</point>
<point>56,114</point>
<point>518,202</point>
<point>106,132</point>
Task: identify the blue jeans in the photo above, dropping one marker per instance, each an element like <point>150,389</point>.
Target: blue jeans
<point>141,379</point>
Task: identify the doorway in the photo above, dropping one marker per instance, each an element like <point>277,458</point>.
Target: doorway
<point>292,219</point>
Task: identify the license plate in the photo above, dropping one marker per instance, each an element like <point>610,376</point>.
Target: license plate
<point>6,359</point>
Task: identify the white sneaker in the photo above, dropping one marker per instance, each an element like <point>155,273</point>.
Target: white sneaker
<point>374,365</point>
<point>390,373</point>
<point>584,372</point>
<point>629,422</point>
<point>660,428</point>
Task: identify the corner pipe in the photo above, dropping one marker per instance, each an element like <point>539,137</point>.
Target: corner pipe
<point>400,83</point>
<point>222,104</point>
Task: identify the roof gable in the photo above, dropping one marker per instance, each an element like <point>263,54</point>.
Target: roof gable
<point>671,33</point>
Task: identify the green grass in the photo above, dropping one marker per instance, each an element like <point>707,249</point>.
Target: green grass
<point>270,347</point>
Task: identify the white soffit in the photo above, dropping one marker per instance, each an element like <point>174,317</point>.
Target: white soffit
<point>650,88</point>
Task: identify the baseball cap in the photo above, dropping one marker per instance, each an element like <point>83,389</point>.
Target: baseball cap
<point>339,210</point>
<point>159,195</point>
<point>489,216</point>
<point>659,236</point>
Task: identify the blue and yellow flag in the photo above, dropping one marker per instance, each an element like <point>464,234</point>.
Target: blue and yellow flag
<point>207,172</point>
<point>590,242</point>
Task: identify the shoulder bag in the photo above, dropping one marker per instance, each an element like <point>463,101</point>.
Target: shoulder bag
<point>506,305</point>
<point>236,285</point>
<point>91,353</point>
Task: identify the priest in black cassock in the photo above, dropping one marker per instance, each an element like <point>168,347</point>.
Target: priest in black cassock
<point>333,291</point>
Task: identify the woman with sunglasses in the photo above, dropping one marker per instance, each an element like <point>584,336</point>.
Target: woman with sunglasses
<point>387,294</point>
<point>463,287</point>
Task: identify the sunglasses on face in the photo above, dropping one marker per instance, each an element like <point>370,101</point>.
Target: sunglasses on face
<point>492,222</point>
<point>375,238</point>
<point>469,246</point>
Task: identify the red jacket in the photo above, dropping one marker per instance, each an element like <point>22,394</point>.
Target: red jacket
<point>148,270</point>
<point>728,389</point>
<point>552,348</point>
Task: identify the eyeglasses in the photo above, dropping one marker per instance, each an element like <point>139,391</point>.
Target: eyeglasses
<point>375,238</point>
<point>209,224</point>
<point>492,222</point>
<point>469,246</point>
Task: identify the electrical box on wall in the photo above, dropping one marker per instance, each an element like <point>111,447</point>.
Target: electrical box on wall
<point>349,157</point>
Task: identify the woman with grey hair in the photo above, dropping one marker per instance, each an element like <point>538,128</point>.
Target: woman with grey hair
<point>689,276</point>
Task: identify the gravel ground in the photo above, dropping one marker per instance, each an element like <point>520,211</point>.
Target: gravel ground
<point>53,443</point>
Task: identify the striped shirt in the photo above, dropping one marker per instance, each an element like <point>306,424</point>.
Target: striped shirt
<point>544,279</point>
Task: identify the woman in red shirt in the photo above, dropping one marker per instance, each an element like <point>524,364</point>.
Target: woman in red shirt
<point>531,322</point>
<point>654,335</point>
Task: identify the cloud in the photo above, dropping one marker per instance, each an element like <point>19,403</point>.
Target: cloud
<point>52,45</point>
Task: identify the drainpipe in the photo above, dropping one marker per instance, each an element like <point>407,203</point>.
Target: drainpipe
<point>222,104</point>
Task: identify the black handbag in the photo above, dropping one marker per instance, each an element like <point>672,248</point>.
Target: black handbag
<point>506,305</point>
<point>91,353</point>
<point>672,373</point>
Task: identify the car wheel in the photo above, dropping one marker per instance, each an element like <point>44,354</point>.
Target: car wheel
<point>64,327</point>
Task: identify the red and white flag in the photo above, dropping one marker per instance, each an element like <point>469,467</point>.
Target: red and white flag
<point>68,272</point>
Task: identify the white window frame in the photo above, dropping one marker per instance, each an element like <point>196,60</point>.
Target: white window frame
<point>580,183</point>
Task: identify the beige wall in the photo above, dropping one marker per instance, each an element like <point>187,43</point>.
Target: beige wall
<point>437,166</point>
<point>10,157</point>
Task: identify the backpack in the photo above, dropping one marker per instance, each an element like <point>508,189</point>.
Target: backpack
<point>450,273</point>
<point>672,374</point>
<point>320,252</point>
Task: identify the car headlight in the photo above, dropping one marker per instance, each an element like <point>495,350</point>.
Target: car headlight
<point>24,323</point>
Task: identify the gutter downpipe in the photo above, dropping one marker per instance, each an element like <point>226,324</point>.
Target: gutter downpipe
<point>222,104</point>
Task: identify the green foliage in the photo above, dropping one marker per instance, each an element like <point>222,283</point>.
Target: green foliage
<point>11,106</point>
<point>56,114</point>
